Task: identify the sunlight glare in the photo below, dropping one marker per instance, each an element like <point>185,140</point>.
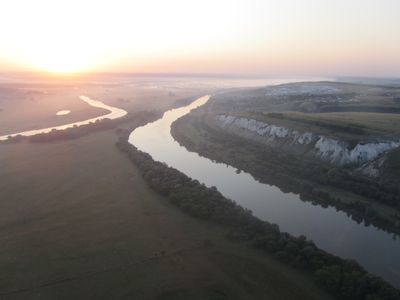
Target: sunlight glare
<point>71,36</point>
<point>200,36</point>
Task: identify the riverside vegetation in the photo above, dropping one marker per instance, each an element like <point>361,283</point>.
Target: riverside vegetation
<point>138,118</point>
<point>344,279</point>
<point>335,110</point>
<point>314,182</point>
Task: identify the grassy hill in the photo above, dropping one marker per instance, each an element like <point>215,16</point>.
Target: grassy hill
<point>338,125</point>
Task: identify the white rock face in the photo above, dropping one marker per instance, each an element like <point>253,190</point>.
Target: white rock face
<point>334,151</point>
<point>372,168</point>
<point>338,152</point>
<point>305,138</point>
<point>331,149</point>
<point>264,129</point>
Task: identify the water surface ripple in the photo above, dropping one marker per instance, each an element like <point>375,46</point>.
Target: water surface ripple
<point>331,230</point>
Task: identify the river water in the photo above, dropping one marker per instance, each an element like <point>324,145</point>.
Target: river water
<point>114,113</point>
<point>331,230</point>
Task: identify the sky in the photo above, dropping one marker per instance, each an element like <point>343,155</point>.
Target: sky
<point>249,37</point>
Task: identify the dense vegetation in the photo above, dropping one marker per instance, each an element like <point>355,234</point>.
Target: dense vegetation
<point>138,119</point>
<point>344,279</point>
<point>302,176</point>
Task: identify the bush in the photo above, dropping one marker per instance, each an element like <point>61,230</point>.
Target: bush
<point>342,278</point>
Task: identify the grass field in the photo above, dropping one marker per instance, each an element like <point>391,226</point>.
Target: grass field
<point>26,106</point>
<point>191,130</point>
<point>77,221</point>
<point>199,133</point>
<point>341,125</point>
<point>344,111</point>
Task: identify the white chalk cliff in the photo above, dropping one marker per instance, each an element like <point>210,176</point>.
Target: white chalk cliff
<point>332,150</point>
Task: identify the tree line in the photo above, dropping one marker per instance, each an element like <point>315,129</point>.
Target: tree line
<point>296,174</point>
<point>139,118</point>
<point>345,279</point>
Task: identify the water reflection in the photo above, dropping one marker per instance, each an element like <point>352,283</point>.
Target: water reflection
<point>63,112</point>
<point>114,113</point>
<point>331,230</point>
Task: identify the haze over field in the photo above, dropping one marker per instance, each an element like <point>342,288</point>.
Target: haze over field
<point>308,37</point>
<point>213,149</point>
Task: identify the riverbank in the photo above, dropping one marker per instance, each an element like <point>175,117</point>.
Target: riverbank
<point>78,221</point>
<point>314,182</point>
<point>33,103</point>
<point>347,238</point>
<point>113,113</point>
<point>339,277</point>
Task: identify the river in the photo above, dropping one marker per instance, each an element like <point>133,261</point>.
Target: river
<point>114,113</point>
<point>331,230</point>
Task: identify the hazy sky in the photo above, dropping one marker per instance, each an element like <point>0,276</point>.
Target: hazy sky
<point>273,37</point>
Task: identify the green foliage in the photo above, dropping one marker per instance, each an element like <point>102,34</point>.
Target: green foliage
<point>138,118</point>
<point>270,165</point>
<point>342,278</point>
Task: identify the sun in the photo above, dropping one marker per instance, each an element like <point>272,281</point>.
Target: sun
<point>63,61</point>
<point>59,37</point>
<point>62,53</point>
